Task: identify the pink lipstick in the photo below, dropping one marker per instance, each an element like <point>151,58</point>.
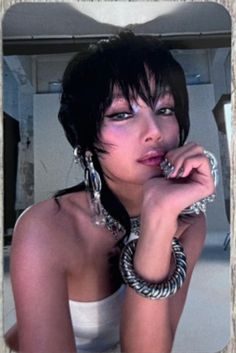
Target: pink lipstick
<point>152,158</point>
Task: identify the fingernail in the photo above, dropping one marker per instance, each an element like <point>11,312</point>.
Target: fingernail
<point>181,173</point>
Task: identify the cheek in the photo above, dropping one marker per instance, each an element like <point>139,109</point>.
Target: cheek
<point>115,142</point>
<point>113,135</point>
<point>175,125</point>
<point>177,134</point>
<point>172,134</point>
<point>176,139</point>
<point>110,142</point>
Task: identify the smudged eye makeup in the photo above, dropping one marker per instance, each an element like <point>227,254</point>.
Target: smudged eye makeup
<point>125,115</point>
<point>121,110</point>
<point>119,116</point>
<point>166,111</point>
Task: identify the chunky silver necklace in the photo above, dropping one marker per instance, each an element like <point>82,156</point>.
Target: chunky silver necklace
<point>117,229</point>
<point>135,225</point>
<point>113,225</point>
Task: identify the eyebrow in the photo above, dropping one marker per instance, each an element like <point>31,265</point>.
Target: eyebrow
<point>118,96</point>
<point>115,100</point>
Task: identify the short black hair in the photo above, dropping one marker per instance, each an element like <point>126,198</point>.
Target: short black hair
<point>123,61</point>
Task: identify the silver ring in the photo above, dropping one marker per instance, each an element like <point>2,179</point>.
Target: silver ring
<point>199,206</point>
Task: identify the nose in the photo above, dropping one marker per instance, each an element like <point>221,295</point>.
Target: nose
<point>151,128</point>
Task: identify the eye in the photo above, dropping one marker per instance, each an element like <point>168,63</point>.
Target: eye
<point>166,111</point>
<point>119,116</point>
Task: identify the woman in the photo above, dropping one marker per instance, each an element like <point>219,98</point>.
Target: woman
<point>124,109</point>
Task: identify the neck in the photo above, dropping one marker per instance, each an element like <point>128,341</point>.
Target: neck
<point>130,196</point>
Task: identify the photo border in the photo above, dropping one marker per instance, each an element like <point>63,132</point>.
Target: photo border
<point>230,6</point>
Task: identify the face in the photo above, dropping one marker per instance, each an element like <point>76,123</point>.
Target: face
<point>137,139</point>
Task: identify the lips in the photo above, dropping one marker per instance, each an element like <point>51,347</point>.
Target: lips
<point>152,158</point>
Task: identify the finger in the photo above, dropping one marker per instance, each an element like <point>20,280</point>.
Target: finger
<point>198,163</point>
<point>184,166</point>
<point>176,158</point>
<point>188,149</point>
<point>199,170</point>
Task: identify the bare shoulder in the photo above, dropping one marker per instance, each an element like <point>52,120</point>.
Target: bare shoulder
<point>39,271</point>
<point>193,237</point>
<point>44,231</point>
<point>36,221</point>
<point>34,235</point>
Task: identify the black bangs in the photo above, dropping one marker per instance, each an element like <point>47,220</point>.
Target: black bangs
<point>140,66</point>
<point>128,70</point>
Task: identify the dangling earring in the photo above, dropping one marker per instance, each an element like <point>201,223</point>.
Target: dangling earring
<point>78,156</point>
<point>93,184</point>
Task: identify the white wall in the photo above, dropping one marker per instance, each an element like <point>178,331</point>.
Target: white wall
<point>54,167</point>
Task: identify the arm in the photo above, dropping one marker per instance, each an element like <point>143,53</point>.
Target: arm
<point>40,289</point>
<point>150,325</point>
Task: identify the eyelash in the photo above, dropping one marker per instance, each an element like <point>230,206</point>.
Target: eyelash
<point>165,111</point>
<point>115,116</point>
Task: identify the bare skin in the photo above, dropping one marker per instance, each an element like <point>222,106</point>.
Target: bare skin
<point>66,271</point>
<point>59,254</point>
<point>60,247</point>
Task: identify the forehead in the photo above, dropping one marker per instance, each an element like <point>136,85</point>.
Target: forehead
<point>117,93</point>
<point>120,102</point>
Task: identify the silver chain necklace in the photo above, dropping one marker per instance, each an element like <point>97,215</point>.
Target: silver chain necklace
<point>135,225</point>
<point>117,229</point>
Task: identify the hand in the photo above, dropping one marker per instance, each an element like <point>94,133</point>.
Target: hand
<point>190,180</point>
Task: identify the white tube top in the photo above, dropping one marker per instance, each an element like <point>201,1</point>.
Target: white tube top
<point>96,324</point>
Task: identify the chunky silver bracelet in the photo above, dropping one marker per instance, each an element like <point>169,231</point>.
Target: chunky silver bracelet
<point>199,206</point>
<point>153,290</point>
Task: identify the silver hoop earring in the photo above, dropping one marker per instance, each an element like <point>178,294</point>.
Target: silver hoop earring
<point>94,185</point>
<point>78,156</point>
